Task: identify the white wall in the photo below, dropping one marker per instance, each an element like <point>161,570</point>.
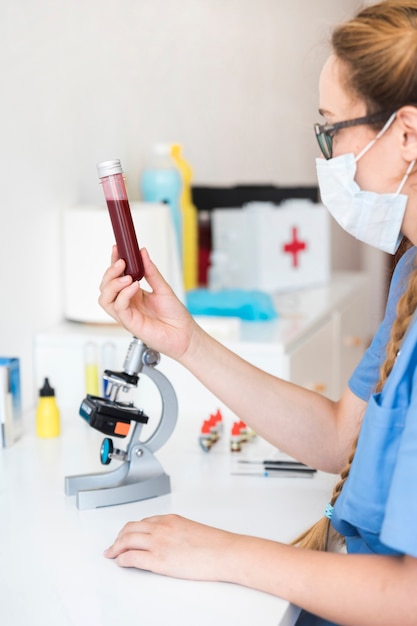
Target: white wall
<point>235,81</point>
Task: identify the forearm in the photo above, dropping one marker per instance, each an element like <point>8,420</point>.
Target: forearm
<point>301,422</point>
<point>351,590</point>
<point>356,590</point>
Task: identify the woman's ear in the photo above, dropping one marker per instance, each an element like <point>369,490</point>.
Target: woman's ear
<point>407,119</point>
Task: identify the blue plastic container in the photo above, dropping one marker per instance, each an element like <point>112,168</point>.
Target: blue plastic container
<point>161,181</point>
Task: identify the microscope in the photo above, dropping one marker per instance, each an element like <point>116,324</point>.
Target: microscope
<point>140,475</point>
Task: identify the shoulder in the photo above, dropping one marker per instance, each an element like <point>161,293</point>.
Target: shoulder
<point>365,377</point>
<point>403,268</point>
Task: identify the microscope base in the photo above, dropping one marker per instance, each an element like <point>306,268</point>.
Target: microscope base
<point>122,494</point>
<point>140,478</point>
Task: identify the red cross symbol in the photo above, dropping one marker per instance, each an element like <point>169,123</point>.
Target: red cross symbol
<point>294,247</point>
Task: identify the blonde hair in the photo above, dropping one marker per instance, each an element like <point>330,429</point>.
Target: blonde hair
<point>378,51</point>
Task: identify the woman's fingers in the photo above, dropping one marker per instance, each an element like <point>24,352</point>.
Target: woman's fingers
<point>113,282</point>
<point>132,548</point>
<point>123,297</point>
<point>114,254</point>
<point>153,276</point>
<point>115,270</point>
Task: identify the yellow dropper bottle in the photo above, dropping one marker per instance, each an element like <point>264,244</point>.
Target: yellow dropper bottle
<point>47,413</point>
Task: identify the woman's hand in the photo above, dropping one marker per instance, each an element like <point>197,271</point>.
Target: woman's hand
<point>367,589</point>
<point>157,318</point>
<point>175,546</point>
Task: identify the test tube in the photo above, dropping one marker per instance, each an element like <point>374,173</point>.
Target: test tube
<point>91,369</point>
<point>111,177</point>
<point>108,359</point>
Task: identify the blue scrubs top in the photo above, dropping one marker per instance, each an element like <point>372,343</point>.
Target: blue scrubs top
<point>364,379</point>
<point>377,509</point>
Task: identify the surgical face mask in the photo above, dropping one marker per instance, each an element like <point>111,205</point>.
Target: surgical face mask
<point>373,218</point>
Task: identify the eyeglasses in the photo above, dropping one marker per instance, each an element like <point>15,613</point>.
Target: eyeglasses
<point>326,132</point>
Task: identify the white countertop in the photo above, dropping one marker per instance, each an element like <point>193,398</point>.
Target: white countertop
<point>52,568</point>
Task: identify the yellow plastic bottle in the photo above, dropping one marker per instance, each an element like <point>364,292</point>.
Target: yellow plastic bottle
<point>48,423</point>
<point>189,221</point>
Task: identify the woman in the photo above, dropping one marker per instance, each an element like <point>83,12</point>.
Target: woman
<point>367,179</point>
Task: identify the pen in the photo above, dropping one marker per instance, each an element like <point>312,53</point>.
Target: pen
<point>290,468</point>
<point>281,473</point>
<point>271,463</point>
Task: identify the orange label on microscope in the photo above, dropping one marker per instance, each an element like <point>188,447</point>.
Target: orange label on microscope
<point>121,429</point>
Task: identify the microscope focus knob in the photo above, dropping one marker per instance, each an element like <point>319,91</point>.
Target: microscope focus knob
<point>106,451</point>
<point>109,452</point>
<point>151,357</point>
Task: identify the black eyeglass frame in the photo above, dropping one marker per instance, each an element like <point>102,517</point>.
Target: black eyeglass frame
<point>326,132</point>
